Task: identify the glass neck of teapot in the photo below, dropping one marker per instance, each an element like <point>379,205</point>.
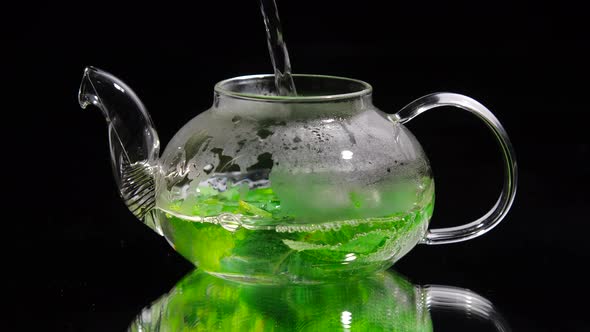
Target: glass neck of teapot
<point>317,94</point>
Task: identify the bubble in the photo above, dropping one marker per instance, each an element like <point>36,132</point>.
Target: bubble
<point>323,227</point>
<point>229,221</point>
<point>236,119</point>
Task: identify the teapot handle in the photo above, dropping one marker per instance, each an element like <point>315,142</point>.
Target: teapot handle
<point>460,300</point>
<point>500,209</point>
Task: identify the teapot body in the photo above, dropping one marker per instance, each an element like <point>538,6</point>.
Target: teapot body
<point>294,190</point>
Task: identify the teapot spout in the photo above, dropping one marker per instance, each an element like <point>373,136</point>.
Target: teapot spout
<point>134,143</point>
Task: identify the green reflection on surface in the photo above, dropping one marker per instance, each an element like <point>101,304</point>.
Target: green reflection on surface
<point>200,302</point>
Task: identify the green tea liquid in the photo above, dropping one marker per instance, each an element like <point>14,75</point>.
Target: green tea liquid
<point>245,233</point>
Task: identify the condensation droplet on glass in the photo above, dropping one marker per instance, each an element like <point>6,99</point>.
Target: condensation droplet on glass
<point>346,154</point>
<point>208,168</point>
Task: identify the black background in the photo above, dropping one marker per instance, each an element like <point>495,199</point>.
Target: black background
<point>84,263</point>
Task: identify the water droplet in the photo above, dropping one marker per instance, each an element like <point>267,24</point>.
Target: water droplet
<point>346,154</point>
<point>236,119</point>
<point>208,168</point>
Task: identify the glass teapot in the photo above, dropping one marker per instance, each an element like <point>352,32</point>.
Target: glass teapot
<point>381,302</point>
<point>271,188</point>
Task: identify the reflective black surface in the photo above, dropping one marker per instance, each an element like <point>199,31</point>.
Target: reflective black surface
<point>382,302</point>
<point>81,261</point>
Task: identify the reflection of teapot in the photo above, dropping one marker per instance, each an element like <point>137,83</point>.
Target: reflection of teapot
<point>382,302</point>
<point>318,186</point>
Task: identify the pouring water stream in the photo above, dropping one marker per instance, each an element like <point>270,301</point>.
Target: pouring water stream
<point>277,49</point>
